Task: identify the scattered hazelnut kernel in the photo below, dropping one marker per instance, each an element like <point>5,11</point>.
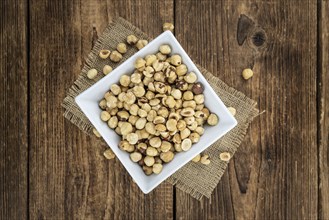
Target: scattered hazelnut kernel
<point>108,154</point>
<point>190,77</point>
<point>92,73</point>
<point>141,43</point>
<point>168,26</point>
<point>196,158</point>
<point>232,110</point>
<point>96,133</point>
<point>107,69</point>
<point>122,48</point>
<point>132,39</point>
<point>225,156</point>
<point>104,54</point>
<point>247,73</point>
<point>115,56</point>
<point>205,159</point>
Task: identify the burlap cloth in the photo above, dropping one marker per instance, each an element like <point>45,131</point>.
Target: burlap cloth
<point>194,178</point>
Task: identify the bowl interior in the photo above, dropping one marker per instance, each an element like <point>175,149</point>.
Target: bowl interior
<point>89,99</point>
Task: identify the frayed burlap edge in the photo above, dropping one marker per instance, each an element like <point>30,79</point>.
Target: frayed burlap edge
<point>194,178</point>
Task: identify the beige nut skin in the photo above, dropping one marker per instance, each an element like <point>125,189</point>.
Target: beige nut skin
<point>212,119</point>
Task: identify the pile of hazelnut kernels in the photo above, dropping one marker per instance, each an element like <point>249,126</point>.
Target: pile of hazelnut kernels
<point>158,110</point>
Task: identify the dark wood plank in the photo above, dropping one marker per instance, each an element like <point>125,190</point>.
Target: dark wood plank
<point>69,177</point>
<point>13,109</point>
<point>274,174</point>
<point>323,109</point>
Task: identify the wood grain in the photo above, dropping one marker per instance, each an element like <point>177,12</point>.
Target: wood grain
<point>323,108</point>
<point>13,110</point>
<point>69,177</point>
<point>273,174</point>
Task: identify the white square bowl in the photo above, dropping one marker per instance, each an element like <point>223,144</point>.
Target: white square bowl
<point>89,99</point>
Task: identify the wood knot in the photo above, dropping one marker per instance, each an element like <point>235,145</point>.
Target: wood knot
<point>258,38</point>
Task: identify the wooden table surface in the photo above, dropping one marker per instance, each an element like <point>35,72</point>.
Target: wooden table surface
<point>51,170</point>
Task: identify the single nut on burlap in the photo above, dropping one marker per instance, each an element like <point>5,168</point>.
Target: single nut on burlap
<point>108,154</point>
<point>150,59</point>
<point>151,151</point>
<point>141,43</point>
<point>132,39</point>
<point>115,56</point>
<point>186,144</point>
<point>225,156</point>
<point>147,170</point>
<point>157,168</point>
<point>167,156</point>
<point>196,158</point>
<point>96,133</point>
<point>168,26</point>
<point>165,49</point>
<point>132,138</point>
<point>149,161</point>
<point>212,119</point>
<point>104,54</point>
<point>140,64</point>
<point>191,77</point>
<point>126,128</point>
<point>124,145</point>
<point>113,122</point>
<point>232,110</point>
<point>107,69</point>
<point>92,73</point>
<point>155,142</point>
<point>135,156</point>
<point>205,159</point>
<point>105,116</point>
<point>122,48</point>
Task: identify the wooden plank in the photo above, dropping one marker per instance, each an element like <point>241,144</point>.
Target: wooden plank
<point>274,173</point>
<point>13,110</point>
<point>69,176</point>
<point>323,109</point>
